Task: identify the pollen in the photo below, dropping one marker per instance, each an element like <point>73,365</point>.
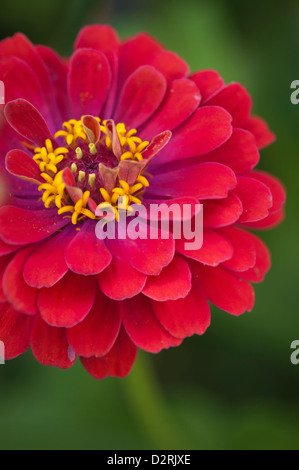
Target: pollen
<point>78,209</point>
<point>47,158</point>
<point>95,164</point>
<point>123,196</point>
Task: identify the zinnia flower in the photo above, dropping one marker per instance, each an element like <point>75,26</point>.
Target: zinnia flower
<point>123,119</point>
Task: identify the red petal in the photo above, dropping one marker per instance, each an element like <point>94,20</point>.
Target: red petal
<point>244,255</point>
<point>141,95</point>
<point>143,327</point>
<point>89,80</point>
<point>236,100</point>
<point>100,37</point>
<point>261,131</point>
<point>224,289</point>
<point>256,199</point>
<point>86,254</point>
<point>272,220</point>
<point>21,47</point>
<point>22,296</point>
<point>173,283</point>
<point>50,347</point>
<point>184,317</point>
<point>15,331</point>
<point>117,363</point>
<point>222,212</point>
<point>25,119</point>
<point>67,302</point>
<point>275,186</point>
<point>20,226</point>
<point>57,71</point>
<point>208,128</point>
<point>21,82</point>
<point>208,82</point>
<point>149,256</point>
<point>170,64</point>
<point>4,261</point>
<point>97,333</point>
<point>181,100</point>
<point>215,249</point>
<point>136,52</point>
<point>5,249</point>
<point>120,280</point>
<point>239,153</point>
<point>19,163</point>
<point>46,265</point>
<point>204,181</point>
<point>262,265</point>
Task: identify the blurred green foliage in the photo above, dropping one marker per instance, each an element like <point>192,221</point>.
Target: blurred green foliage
<point>235,387</point>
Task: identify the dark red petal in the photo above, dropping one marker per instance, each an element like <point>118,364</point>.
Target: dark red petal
<point>120,280</point>
<point>143,326</point>
<point>19,163</point>
<point>184,317</point>
<point>46,264</point>
<point>117,363</point>
<point>135,52</point>
<point>224,289</point>
<point>173,283</point>
<point>149,256</point>
<point>89,80</point>
<point>156,145</point>
<point>86,254</point>
<point>259,128</point>
<point>204,181</point>
<point>67,302</point>
<point>25,119</point>
<point>208,82</point>
<point>100,37</point>
<point>239,152</point>
<point>21,82</point>
<point>50,346</point>
<point>141,95</point>
<point>181,100</point>
<point>208,128</point>
<point>21,226</point>
<point>215,248</point>
<point>57,71</point>
<point>170,64</point>
<point>256,199</point>
<point>97,333</point>
<point>92,128</point>
<point>15,331</point>
<point>236,100</point>
<point>244,254</point>
<point>277,190</point>
<point>222,212</point>
<point>18,293</point>
<point>262,265</point>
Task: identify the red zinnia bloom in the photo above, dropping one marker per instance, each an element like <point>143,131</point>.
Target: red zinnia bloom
<point>80,134</point>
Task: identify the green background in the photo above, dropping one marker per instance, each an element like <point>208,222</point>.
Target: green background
<point>235,387</point>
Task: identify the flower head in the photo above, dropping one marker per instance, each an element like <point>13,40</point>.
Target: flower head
<point>123,124</point>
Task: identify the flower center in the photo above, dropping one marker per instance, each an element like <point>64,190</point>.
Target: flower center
<point>96,164</point>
